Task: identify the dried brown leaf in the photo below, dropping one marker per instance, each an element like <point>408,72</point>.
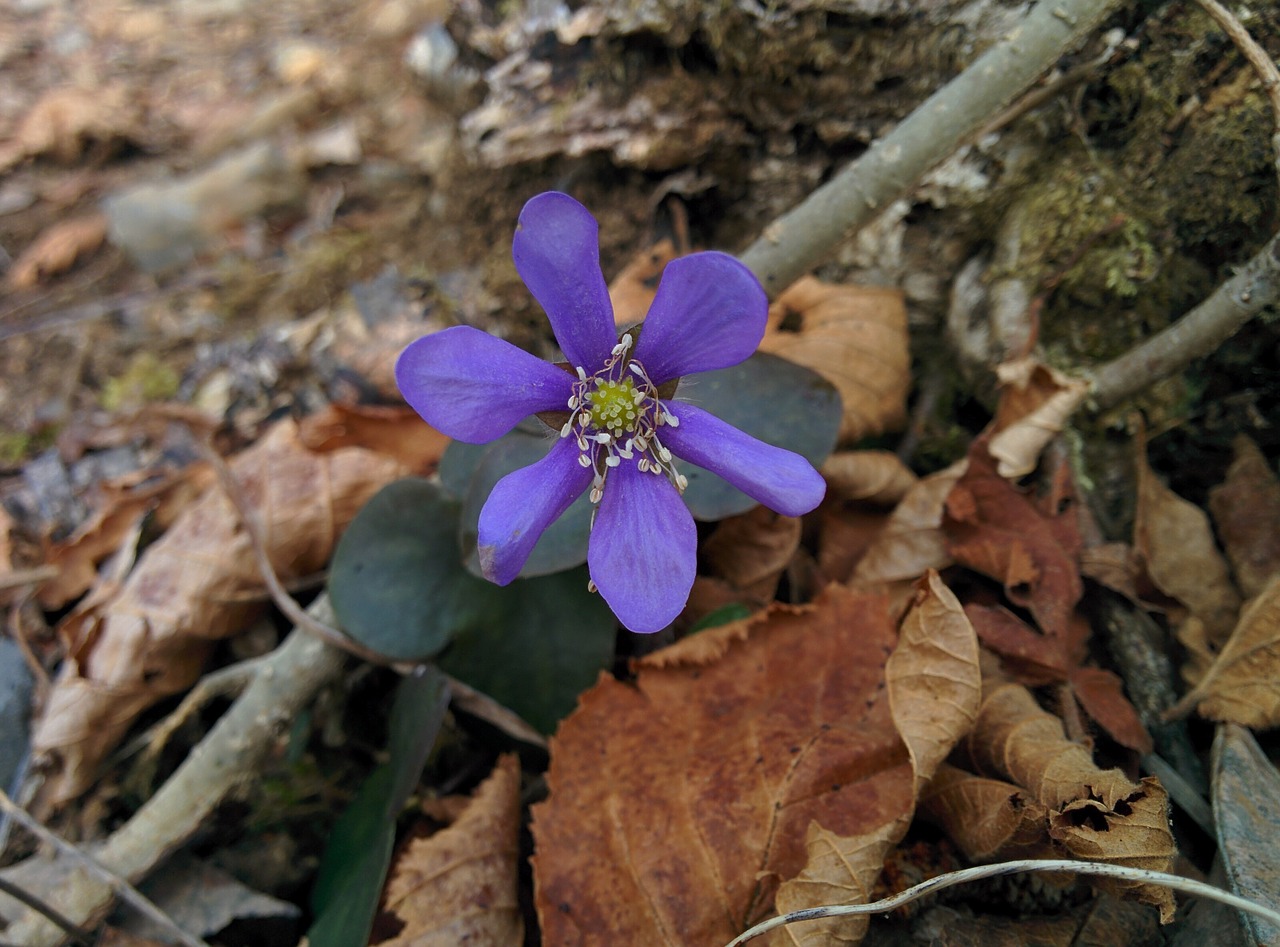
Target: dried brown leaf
<point>64,120</point>
<point>934,685</point>
<point>853,336</point>
<point>1243,684</point>
<point>1035,403</point>
<point>845,532</point>
<point>997,530</point>
<point>1176,542</point>
<point>677,802</point>
<point>395,432</point>
<point>458,886</point>
<point>988,819</point>
<point>1101,696</point>
<point>1093,813</point>
<point>151,639</point>
<point>912,542</point>
<point>752,550</point>
<point>934,682</point>
<point>1246,510</point>
<point>57,249</point>
<point>875,476</point>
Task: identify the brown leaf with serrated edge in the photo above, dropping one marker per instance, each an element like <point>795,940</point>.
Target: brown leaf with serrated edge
<point>152,638</point>
<point>996,529</point>
<point>394,432</point>
<point>678,801</point>
<point>1176,543</point>
<point>1243,683</point>
<point>874,476</point>
<point>1035,403</point>
<point>853,336</point>
<point>1246,511</point>
<point>1093,813</point>
<point>752,550</point>
<point>934,685</point>
<point>58,249</point>
<point>1100,694</point>
<point>912,542</point>
<point>458,886</point>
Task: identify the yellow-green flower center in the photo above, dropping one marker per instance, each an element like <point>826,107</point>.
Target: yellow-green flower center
<point>614,406</point>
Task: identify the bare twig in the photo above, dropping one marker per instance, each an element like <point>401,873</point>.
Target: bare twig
<point>231,752</point>
<point>1174,882</point>
<point>809,232</point>
<point>1196,334</point>
<point>120,887</point>
<point>78,934</point>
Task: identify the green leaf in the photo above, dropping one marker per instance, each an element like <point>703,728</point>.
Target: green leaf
<point>397,581</point>
<point>551,644</point>
<point>734,611</point>
<point>777,401</point>
<point>354,865</point>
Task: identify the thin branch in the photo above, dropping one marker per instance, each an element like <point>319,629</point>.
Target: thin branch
<point>1174,882</point>
<point>75,932</point>
<point>1196,334</point>
<point>228,755</point>
<point>809,232</point>
<point>120,887</point>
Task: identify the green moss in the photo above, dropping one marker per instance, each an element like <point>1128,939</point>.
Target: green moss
<point>14,447</point>
<point>145,379</point>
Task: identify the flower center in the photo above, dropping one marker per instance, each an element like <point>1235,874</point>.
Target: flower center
<point>615,414</point>
<point>615,405</point>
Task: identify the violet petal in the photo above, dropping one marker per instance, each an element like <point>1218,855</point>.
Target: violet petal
<point>643,549</point>
<point>474,387</point>
<point>557,254</point>
<point>782,480</point>
<point>523,504</point>
<point>709,313</point>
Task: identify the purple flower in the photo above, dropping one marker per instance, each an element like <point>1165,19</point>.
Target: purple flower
<point>622,432</point>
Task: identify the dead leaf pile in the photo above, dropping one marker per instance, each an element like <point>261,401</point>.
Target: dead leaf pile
<point>131,645</point>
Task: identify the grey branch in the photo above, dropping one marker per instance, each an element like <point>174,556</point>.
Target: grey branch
<point>804,236</point>
<point>232,751</point>
<point>1198,333</point>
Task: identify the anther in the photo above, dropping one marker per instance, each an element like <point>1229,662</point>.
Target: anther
<point>582,373</point>
<point>564,431</point>
<point>584,460</point>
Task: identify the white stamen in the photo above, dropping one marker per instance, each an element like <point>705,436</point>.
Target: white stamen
<point>564,431</point>
<point>681,482</point>
<point>670,418</point>
<point>573,402</point>
<point>584,460</point>
<point>602,438</point>
<point>582,373</point>
<point>612,460</point>
<point>582,442</point>
<point>664,454</point>
<point>591,586</point>
<point>643,464</point>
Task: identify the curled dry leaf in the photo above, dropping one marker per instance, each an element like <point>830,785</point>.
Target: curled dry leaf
<point>988,819</point>
<point>934,685</point>
<point>121,512</point>
<point>678,801</point>
<point>396,432</point>
<point>874,476</point>
<point>752,550</point>
<point>1035,403</point>
<point>1093,813</point>
<point>57,249</point>
<point>912,542</point>
<point>1243,683</point>
<point>853,336</point>
<point>1176,542</point>
<point>1246,510</point>
<point>458,886</point>
<point>151,639</point>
